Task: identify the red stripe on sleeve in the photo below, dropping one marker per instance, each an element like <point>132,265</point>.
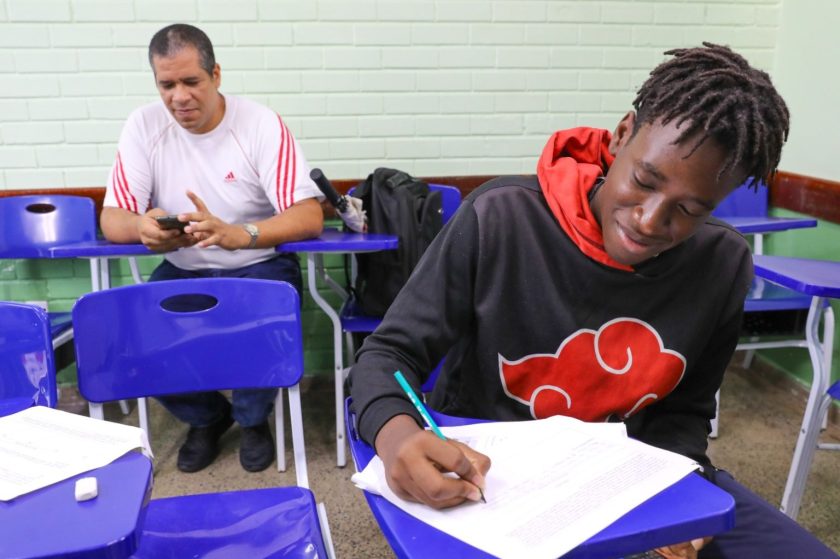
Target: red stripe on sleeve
<point>292,175</point>
<point>289,149</point>
<point>279,163</point>
<point>115,186</point>
<point>119,189</point>
<point>130,199</point>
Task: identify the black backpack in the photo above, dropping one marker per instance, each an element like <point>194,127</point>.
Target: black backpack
<point>396,204</point>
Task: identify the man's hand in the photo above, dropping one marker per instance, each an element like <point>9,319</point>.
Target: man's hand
<point>209,230</point>
<point>687,550</point>
<point>416,461</point>
<point>161,240</point>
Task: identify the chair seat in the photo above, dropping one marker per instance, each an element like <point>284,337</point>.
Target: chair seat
<point>274,522</point>
<point>767,296</point>
<point>354,319</point>
<point>60,322</point>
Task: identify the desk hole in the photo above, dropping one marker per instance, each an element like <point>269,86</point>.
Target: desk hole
<point>189,302</point>
<point>40,208</point>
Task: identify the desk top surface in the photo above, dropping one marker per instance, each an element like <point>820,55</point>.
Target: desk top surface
<point>689,509</point>
<point>812,277</point>
<point>50,523</point>
<point>98,248</point>
<point>333,240</point>
<point>768,224</point>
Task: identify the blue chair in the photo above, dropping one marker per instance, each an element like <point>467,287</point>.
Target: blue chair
<point>138,341</point>
<point>27,366</point>
<point>355,321</point>
<point>34,224</point>
<point>818,280</point>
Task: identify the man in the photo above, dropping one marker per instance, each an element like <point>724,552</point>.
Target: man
<point>603,290</point>
<point>237,179</point>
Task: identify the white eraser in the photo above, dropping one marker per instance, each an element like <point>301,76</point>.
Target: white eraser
<point>86,489</point>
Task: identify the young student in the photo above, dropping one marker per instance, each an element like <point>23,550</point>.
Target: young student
<point>240,185</point>
<point>602,290</point>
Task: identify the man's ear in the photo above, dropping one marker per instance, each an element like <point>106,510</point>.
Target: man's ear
<point>623,132</point>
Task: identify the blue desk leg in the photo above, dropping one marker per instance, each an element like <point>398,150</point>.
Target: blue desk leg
<point>806,443</point>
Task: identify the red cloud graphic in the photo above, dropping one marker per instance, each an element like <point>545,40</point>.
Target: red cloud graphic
<point>617,370</point>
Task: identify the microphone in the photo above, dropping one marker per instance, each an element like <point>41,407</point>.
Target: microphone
<point>337,200</point>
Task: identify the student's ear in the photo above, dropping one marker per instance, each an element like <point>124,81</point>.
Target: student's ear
<point>623,132</point>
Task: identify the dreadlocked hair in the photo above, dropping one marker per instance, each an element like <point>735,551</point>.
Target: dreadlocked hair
<point>719,95</point>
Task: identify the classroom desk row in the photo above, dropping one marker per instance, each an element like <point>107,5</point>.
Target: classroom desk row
<point>113,522</point>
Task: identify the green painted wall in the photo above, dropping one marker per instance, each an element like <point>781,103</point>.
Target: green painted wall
<point>823,243</point>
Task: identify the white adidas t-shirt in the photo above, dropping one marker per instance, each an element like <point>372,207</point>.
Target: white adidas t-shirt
<point>246,169</point>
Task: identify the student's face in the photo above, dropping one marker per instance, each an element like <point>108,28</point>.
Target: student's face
<point>188,91</point>
<point>655,194</point>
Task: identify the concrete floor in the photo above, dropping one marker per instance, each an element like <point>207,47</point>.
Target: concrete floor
<point>760,417</point>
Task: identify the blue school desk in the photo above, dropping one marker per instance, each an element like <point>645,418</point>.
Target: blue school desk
<point>691,508</point>
<point>336,242</point>
<point>50,523</point>
<point>819,280</point>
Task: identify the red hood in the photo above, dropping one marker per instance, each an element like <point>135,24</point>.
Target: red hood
<point>569,166</point>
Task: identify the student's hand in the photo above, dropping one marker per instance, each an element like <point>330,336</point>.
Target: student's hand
<point>415,462</point>
<point>687,550</point>
<point>157,239</point>
<point>209,230</point>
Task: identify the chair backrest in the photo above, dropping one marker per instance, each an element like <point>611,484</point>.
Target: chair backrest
<point>181,336</point>
<point>27,366</point>
<point>744,201</point>
<point>32,224</point>
<point>451,199</point>
<point>195,335</point>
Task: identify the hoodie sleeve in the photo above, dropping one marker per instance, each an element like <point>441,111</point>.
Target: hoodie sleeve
<point>428,316</point>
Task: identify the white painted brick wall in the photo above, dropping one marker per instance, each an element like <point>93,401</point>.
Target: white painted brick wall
<point>434,87</point>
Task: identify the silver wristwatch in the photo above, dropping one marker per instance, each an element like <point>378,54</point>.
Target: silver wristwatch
<point>252,230</point>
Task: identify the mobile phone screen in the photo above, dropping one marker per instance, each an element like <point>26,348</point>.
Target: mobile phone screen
<point>170,222</point>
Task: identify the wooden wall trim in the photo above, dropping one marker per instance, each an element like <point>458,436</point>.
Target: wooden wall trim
<point>812,196</point>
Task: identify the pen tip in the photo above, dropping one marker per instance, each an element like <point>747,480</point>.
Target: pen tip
<point>483,500</point>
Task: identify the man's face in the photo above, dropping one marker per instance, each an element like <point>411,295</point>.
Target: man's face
<point>654,197</point>
<point>188,91</point>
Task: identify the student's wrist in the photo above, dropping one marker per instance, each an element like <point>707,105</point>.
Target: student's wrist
<point>393,432</point>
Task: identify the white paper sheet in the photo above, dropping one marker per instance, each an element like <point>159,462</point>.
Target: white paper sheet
<point>553,484</point>
<point>40,446</point>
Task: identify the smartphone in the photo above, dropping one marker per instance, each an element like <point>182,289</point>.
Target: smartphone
<point>170,222</point>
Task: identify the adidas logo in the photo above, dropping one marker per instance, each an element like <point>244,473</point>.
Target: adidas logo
<point>230,177</point>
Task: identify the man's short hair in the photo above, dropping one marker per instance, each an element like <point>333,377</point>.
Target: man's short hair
<point>718,94</point>
<point>172,39</point>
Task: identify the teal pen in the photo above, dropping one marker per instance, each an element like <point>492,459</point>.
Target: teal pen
<point>424,412</point>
